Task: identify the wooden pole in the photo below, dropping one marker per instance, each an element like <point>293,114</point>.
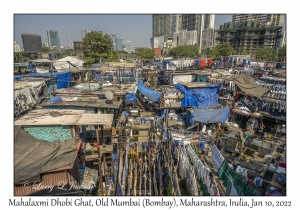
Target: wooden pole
<point>102,135</point>
<point>100,188</point>
<point>99,161</point>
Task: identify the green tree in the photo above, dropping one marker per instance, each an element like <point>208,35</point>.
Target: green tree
<point>113,56</point>
<point>58,55</point>
<point>242,50</point>
<point>274,55</point>
<point>153,80</point>
<point>144,53</point>
<point>189,51</point>
<point>46,50</point>
<point>20,57</point>
<point>214,54</point>
<point>95,45</point>
<point>67,52</point>
<point>265,54</point>
<point>282,52</point>
<point>220,50</point>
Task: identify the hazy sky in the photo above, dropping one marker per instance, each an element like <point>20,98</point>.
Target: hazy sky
<point>134,28</point>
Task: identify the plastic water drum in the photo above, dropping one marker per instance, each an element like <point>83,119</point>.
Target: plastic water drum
<point>202,145</point>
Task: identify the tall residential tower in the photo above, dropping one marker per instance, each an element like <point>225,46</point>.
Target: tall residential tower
<point>53,39</point>
<point>273,19</point>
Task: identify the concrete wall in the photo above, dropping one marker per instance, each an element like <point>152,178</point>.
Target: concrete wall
<point>50,133</point>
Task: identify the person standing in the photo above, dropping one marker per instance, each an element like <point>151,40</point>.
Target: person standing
<point>261,128</point>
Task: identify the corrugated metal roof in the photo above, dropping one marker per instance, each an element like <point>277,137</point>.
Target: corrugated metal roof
<point>52,183</point>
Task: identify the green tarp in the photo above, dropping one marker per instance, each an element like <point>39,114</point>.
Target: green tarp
<point>241,187</point>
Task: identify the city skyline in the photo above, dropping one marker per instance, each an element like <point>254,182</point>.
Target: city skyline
<point>136,28</point>
<point>120,25</point>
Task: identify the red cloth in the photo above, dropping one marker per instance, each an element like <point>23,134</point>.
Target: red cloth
<point>237,96</point>
<point>80,147</point>
<point>282,164</point>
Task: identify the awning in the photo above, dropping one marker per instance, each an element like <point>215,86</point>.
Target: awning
<point>41,61</point>
<point>247,85</point>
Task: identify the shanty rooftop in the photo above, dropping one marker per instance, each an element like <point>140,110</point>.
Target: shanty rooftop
<point>64,117</point>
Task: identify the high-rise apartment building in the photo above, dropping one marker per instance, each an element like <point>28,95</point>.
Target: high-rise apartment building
<point>53,39</point>
<point>128,46</point>
<point>273,19</point>
<point>119,44</point>
<point>32,43</point>
<point>16,47</point>
<point>113,38</point>
<point>46,44</point>
<point>283,41</point>
<point>184,37</point>
<point>208,39</point>
<point>161,25</point>
<point>195,22</point>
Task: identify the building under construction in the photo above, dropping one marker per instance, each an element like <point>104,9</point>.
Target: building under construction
<point>250,35</point>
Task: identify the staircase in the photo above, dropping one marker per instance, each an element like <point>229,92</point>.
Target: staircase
<point>139,102</point>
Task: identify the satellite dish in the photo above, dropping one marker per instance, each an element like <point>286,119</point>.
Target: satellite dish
<point>109,96</point>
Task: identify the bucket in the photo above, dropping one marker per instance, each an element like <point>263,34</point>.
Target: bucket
<point>202,145</point>
<point>265,134</point>
<point>269,136</point>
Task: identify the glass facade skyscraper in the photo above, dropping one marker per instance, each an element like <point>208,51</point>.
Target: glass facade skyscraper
<point>53,39</point>
<point>119,44</point>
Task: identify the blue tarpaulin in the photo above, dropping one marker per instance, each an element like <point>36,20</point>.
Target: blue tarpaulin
<point>211,115</point>
<point>97,75</point>
<point>140,81</point>
<point>63,78</point>
<point>20,64</point>
<point>198,97</point>
<point>32,70</point>
<point>149,93</point>
<point>131,97</point>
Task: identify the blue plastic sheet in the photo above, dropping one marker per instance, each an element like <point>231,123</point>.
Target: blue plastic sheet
<point>211,115</point>
<point>63,78</point>
<point>140,82</point>
<point>97,75</point>
<point>55,99</point>
<point>31,69</point>
<point>198,97</point>
<point>131,97</point>
<point>149,93</point>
